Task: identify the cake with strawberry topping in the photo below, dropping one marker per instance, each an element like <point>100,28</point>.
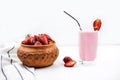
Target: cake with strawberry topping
<point>38,50</point>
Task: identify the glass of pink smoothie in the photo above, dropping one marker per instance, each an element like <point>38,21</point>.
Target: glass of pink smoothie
<point>88,45</point>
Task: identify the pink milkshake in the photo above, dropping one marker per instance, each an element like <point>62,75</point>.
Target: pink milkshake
<point>88,45</point>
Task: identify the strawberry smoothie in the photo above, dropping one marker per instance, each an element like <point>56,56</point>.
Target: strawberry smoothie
<point>88,45</point>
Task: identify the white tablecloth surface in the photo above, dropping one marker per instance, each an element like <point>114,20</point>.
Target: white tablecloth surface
<point>105,67</point>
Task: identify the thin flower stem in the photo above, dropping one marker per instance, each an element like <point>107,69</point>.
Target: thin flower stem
<point>74,19</point>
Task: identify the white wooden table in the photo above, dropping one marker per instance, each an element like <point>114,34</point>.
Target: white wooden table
<point>105,67</point>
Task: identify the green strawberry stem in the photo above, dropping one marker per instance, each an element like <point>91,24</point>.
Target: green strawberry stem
<point>28,35</point>
<point>74,19</point>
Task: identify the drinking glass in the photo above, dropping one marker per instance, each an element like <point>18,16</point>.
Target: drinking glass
<point>88,45</point>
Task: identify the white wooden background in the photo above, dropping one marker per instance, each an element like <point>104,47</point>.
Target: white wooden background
<point>19,17</point>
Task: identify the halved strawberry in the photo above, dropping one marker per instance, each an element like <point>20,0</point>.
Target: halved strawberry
<point>37,43</point>
<point>70,63</point>
<point>97,24</point>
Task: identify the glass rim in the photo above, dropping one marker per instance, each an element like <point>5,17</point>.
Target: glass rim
<point>88,31</point>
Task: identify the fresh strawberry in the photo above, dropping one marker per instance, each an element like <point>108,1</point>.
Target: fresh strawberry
<point>43,39</point>
<point>26,41</point>
<point>70,63</point>
<point>48,37</point>
<point>66,59</point>
<point>32,40</point>
<point>36,37</point>
<point>97,24</point>
<point>37,43</point>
